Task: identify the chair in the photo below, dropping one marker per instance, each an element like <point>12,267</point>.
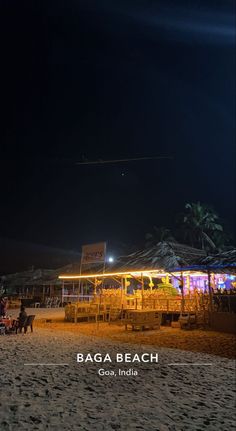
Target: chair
<point>28,321</point>
<point>19,324</point>
<point>115,315</point>
<point>48,302</point>
<point>56,302</point>
<point>188,321</point>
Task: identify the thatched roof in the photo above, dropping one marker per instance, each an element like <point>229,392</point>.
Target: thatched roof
<point>46,277</point>
<point>225,260</point>
<point>168,256</point>
<point>32,278</point>
<point>165,256</point>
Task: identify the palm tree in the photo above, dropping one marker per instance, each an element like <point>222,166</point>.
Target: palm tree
<point>222,240</point>
<point>201,225</point>
<point>158,234</point>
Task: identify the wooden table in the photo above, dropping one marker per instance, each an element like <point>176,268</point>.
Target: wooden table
<point>142,319</point>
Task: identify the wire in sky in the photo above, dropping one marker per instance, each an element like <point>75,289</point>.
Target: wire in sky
<point>135,159</point>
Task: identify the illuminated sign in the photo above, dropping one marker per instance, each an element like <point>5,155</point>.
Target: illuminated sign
<point>93,253</point>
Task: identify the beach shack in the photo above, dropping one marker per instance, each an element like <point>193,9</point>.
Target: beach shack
<point>170,278</point>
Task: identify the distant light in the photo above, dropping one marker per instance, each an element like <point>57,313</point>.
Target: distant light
<point>110,259</point>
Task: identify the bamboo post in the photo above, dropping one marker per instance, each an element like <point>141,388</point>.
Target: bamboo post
<point>125,285</point>
<point>76,313</point>
<point>80,271</point>
<point>142,288</point>
<point>99,308</point>
<point>210,291</point>
<point>81,289</point>
<point>182,293</point>
<point>122,288</point>
<point>151,284</point>
<point>188,284</point>
<point>62,292</point>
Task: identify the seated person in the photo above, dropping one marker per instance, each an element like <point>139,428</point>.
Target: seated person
<point>22,315</point>
<point>20,319</point>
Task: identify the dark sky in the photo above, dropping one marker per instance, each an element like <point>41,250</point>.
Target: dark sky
<point>113,79</point>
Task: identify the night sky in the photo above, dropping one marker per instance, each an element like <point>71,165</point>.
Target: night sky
<point>114,79</point>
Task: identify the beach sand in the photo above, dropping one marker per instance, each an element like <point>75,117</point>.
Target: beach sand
<point>186,390</point>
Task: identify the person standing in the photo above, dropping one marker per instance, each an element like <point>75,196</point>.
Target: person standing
<point>3,307</point>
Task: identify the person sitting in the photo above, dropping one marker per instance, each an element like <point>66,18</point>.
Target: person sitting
<point>21,319</point>
<point>22,314</point>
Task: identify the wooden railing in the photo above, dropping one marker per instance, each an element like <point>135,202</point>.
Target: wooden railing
<point>104,305</point>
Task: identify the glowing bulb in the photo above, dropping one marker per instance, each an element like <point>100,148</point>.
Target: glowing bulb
<point>111,259</point>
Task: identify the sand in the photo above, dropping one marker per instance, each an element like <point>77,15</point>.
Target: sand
<point>161,397</point>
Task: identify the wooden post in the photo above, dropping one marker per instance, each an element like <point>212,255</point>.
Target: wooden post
<point>188,284</point>
<point>213,281</point>
<point>81,289</point>
<point>182,293</point>
<point>76,312</point>
<point>98,310</point>
<point>125,285</point>
<point>210,291</point>
<point>122,289</point>
<point>151,283</point>
<point>62,292</point>
<point>142,288</point>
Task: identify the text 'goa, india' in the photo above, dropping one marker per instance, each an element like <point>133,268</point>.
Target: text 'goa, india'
<point>118,358</point>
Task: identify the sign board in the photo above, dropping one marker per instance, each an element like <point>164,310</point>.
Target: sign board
<point>93,253</point>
